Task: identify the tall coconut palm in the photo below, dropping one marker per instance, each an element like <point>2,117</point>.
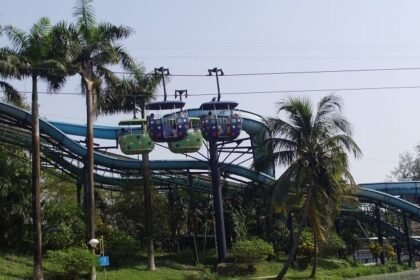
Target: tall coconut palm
<point>314,147</point>
<point>31,56</point>
<point>91,48</point>
<point>122,97</point>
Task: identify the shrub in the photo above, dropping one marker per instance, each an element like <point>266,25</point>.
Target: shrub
<point>390,252</point>
<point>306,245</point>
<point>120,246</point>
<point>70,263</point>
<point>376,249</point>
<point>306,249</point>
<point>251,251</point>
<point>333,245</point>
<point>63,226</point>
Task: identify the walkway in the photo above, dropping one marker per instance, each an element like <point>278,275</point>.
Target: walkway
<point>406,275</point>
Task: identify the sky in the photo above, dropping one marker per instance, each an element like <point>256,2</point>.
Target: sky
<point>242,36</point>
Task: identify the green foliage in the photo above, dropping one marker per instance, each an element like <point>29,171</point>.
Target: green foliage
<point>63,226</point>
<point>280,236</point>
<point>127,215</point>
<point>15,200</point>
<point>21,267</point>
<point>306,245</point>
<point>389,251</point>
<point>350,235</point>
<point>235,219</point>
<point>375,248</point>
<point>314,147</point>
<point>120,247</point>
<point>251,251</point>
<point>408,166</point>
<point>306,248</point>
<point>333,245</point>
<point>70,263</point>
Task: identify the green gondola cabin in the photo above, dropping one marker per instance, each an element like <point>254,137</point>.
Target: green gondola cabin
<point>134,138</point>
<point>190,144</point>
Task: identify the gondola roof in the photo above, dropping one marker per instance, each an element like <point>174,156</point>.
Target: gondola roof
<point>219,105</point>
<point>165,105</point>
<point>133,122</point>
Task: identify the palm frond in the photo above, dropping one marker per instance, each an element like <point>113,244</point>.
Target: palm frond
<point>83,11</point>
<point>18,38</point>
<point>126,60</point>
<point>108,76</point>
<point>9,64</point>
<point>113,33</point>
<point>119,97</point>
<point>40,28</point>
<point>12,95</point>
<point>65,45</point>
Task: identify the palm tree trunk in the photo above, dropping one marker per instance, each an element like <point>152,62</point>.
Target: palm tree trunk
<point>290,228</point>
<point>315,261</point>
<point>191,219</point>
<point>205,237</point>
<point>89,165</point>
<point>149,209</point>
<point>292,253</point>
<point>148,202</point>
<point>36,187</point>
<point>172,224</point>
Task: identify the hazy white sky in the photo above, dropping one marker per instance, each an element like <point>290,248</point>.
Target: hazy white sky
<point>242,36</point>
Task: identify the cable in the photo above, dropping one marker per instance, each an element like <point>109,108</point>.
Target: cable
<point>265,91</point>
<point>324,71</point>
<point>277,73</point>
<point>311,90</point>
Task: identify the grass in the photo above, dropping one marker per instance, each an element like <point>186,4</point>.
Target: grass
<point>178,267</point>
<point>14,267</point>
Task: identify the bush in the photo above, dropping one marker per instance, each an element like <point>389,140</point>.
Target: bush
<point>120,247</point>
<point>376,249</point>
<point>389,251</point>
<point>333,245</point>
<point>305,250</point>
<point>63,226</point>
<point>71,263</point>
<point>251,251</point>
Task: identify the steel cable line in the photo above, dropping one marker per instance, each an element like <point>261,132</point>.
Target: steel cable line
<point>262,91</point>
<point>280,72</point>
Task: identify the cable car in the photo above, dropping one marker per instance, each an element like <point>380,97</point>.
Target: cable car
<point>190,144</point>
<point>171,127</point>
<point>134,138</point>
<point>221,122</point>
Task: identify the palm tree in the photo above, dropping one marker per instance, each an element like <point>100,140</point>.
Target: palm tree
<point>31,56</point>
<point>90,49</point>
<point>122,97</point>
<point>314,147</point>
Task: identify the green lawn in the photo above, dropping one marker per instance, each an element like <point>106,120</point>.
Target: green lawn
<point>20,267</point>
<point>14,267</point>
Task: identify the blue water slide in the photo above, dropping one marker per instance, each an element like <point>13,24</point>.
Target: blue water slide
<point>368,219</point>
<point>409,188</point>
<point>388,199</point>
<point>116,162</point>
